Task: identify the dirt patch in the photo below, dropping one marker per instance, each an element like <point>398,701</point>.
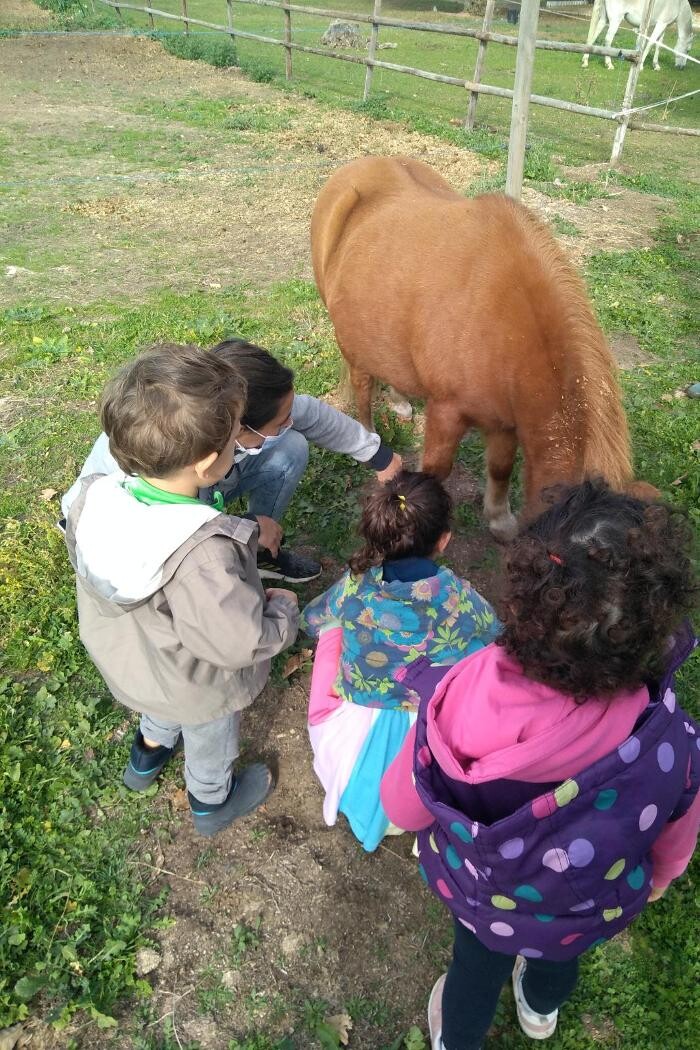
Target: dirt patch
<point>622,221</point>
<point>155,189</point>
<point>177,195</point>
<point>23,14</point>
<point>627,351</point>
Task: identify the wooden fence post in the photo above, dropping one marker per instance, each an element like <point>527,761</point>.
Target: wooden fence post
<point>150,20</point>
<point>376,12</point>
<point>229,17</point>
<point>631,86</point>
<point>288,40</point>
<point>479,67</point>
<point>184,16</point>
<point>524,63</point>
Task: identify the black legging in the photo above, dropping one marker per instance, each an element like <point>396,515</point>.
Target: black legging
<point>474,982</point>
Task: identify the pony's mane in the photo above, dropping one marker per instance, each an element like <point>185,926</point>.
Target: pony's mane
<point>587,364</point>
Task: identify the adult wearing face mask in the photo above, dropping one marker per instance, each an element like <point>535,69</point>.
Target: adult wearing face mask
<point>272,453</point>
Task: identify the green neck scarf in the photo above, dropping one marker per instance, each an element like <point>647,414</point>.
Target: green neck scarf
<point>144,492</point>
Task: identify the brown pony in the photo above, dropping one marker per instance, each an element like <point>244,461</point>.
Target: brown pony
<point>471,305</point>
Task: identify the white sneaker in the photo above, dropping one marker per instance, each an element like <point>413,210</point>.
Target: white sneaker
<point>435,1013</point>
<point>535,1026</point>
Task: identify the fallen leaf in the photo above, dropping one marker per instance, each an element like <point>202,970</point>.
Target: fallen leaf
<point>47,494</point>
<point>680,480</point>
<point>179,800</point>
<point>295,661</point>
<point>342,1024</point>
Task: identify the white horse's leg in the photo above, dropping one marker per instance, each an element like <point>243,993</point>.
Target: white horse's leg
<point>655,60</point>
<point>613,27</point>
<point>401,405</point>
<point>598,20</point>
<point>685,34</point>
<point>656,34</point>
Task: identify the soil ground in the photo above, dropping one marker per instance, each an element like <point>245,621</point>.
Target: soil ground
<point>112,167</point>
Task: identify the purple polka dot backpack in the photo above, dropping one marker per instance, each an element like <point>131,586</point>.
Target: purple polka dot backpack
<point>571,867</point>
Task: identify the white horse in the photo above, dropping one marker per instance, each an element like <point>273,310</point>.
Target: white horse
<point>663,13</point>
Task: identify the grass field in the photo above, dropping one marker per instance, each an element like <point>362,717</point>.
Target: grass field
<point>89,874</point>
<point>575,139</point>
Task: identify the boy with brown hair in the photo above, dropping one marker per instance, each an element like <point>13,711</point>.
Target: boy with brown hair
<point>170,603</point>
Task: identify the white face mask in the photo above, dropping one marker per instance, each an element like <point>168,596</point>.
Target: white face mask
<point>268,441</point>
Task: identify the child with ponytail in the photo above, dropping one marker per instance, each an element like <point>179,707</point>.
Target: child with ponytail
<point>394,605</point>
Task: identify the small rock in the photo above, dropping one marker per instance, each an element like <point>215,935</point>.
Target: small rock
<point>16,271</point>
<point>229,979</point>
<point>342,34</point>
<point>386,47</point>
<point>147,960</point>
<point>292,944</point>
<point>9,1037</point>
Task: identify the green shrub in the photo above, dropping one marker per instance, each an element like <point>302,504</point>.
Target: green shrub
<point>216,50</point>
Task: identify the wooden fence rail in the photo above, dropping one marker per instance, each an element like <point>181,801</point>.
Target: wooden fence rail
<point>524,41</point>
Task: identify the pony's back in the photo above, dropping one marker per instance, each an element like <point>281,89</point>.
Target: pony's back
<point>472,305</point>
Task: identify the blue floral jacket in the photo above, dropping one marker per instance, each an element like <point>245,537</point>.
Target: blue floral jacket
<point>389,623</point>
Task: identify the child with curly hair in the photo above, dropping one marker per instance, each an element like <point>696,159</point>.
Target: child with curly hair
<point>552,776</point>
<point>393,605</point>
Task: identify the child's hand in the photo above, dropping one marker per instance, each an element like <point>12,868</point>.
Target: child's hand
<point>270,535</point>
<point>656,894</point>
<point>283,593</point>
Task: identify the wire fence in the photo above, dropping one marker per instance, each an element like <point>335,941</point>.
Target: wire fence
<point>624,115</point>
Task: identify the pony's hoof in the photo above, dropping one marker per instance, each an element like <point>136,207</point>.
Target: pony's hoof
<point>609,65</point>
<point>503,528</point>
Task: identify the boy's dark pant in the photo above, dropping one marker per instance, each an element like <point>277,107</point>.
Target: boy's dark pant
<point>474,982</point>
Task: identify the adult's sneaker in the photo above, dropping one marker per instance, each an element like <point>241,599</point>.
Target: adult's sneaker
<point>249,790</point>
<point>145,763</point>
<point>534,1025</point>
<point>287,567</point>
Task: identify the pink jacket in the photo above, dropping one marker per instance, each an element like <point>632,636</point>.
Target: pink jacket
<point>492,723</point>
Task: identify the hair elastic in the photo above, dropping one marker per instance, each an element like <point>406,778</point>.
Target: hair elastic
<point>555,558</point>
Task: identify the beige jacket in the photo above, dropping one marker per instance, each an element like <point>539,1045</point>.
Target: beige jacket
<point>170,603</point>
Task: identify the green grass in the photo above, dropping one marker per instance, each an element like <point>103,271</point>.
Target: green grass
<point>576,139</point>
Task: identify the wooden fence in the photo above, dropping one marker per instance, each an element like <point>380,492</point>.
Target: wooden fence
<point>525,42</point>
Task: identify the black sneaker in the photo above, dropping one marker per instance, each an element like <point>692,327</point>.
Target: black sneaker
<point>145,763</point>
<point>249,790</point>
<point>287,567</point>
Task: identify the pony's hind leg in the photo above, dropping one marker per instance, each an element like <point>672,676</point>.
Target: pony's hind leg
<point>501,446</point>
<point>363,389</point>
<point>444,428</point>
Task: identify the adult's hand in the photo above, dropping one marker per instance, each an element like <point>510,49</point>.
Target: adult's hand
<point>283,593</point>
<point>394,467</point>
<point>270,534</point>
<point>656,894</point>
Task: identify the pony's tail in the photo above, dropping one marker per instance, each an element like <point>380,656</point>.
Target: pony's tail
<point>607,446</point>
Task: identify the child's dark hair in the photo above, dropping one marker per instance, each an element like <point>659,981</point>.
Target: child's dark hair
<point>268,381</point>
<point>405,516</point>
<point>596,585</point>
